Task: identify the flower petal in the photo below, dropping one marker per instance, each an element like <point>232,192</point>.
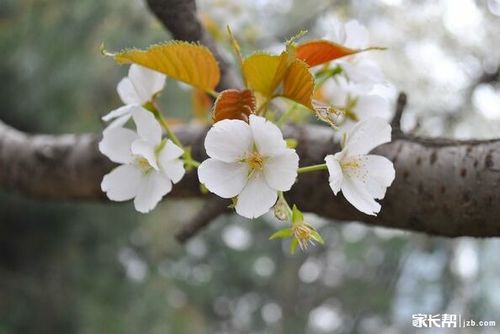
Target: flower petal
<point>366,135</point>
<point>119,122</point>
<point>119,112</point>
<point>336,176</point>
<point>372,106</point>
<point>267,136</point>
<point>170,152</point>
<point>336,31</point>
<point>376,173</point>
<point>152,188</point>
<point>356,35</point>
<point>356,193</point>
<point>229,140</point>
<point>223,179</point>
<point>127,93</point>
<point>170,163</point>
<point>280,171</point>
<point>361,71</point>
<point>256,198</point>
<point>337,91</point>
<point>146,150</point>
<point>148,127</point>
<point>174,169</point>
<point>116,143</point>
<point>146,82</point>
<point>122,183</point>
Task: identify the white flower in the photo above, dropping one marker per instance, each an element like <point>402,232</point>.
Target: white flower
<point>250,161</point>
<point>148,164</point>
<point>358,104</point>
<point>362,177</point>
<point>352,34</point>
<point>361,70</point>
<point>357,68</point>
<point>136,89</point>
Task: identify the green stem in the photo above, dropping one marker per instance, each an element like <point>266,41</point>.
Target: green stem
<point>212,93</point>
<point>313,168</point>
<point>188,160</point>
<point>327,75</point>
<point>263,107</point>
<point>168,130</point>
<point>284,117</point>
<point>192,163</point>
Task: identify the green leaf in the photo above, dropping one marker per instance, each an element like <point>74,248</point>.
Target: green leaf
<point>297,216</point>
<point>281,234</point>
<point>316,236</point>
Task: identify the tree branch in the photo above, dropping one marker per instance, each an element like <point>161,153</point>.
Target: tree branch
<point>442,187</point>
<point>396,120</point>
<point>212,209</point>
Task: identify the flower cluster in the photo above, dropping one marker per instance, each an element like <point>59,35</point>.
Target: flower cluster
<point>250,162</point>
<point>148,164</point>
<point>355,77</point>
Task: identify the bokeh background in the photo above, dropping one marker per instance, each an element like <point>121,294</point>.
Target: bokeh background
<point>103,268</point>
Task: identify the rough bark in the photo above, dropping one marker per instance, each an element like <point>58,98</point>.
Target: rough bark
<point>442,187</point>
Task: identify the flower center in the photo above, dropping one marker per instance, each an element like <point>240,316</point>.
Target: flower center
<point>143,164</point>
<point>350,165</point>
<point>255,161</point>
<point>302,233</point>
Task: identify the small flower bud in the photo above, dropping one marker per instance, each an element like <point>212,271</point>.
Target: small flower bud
<point>280,210</point>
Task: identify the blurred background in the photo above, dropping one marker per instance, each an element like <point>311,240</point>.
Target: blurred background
<point>103,268</point>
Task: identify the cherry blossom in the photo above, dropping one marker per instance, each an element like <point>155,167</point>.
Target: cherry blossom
<point>355,101</point>
<point>148,164</point>
<point>249,161</point>
<point>362,177</point>
<point>136,89</point>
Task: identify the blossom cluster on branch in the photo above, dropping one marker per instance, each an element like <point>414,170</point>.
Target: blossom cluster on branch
<point>250,162</point>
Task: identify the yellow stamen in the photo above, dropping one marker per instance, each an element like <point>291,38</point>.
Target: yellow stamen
<point>302,233</point>
<point>143,164</point>
<point>255,161</point>
<point>352,164</point>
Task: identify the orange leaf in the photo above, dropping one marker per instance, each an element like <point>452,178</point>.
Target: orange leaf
<point>191,63</point>
<point>234,104</point>
<point>298,84</point>
<point>317,52</point>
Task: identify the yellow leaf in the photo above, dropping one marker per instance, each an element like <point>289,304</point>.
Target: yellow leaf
<point>191,63</point>
<point>283,75</point>
<point>298,84</point>
<point>264,72</point>
<point>234,104</point>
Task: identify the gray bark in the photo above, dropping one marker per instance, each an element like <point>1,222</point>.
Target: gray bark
<point>442,187</point>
